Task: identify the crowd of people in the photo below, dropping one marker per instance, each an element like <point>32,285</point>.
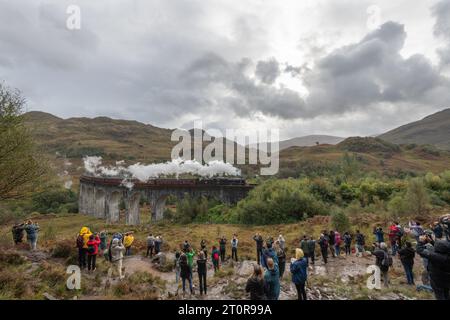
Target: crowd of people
<point>432,245</point>
<point>264,283</point>
<point>91,244</point>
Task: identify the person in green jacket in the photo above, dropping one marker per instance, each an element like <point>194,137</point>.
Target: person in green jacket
<point>103,241</point>
<point>304,246</point>
<point>215,256</point>
<point>190,258</point>
<point>311,249</point>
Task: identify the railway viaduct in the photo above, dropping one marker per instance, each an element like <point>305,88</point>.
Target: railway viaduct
<point>101,197</point>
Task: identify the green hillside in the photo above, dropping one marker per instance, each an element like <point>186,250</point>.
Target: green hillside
<point>66,141</point>
<point>433,130</point>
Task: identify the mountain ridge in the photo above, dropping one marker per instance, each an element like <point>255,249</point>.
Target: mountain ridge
<point>433,129</point>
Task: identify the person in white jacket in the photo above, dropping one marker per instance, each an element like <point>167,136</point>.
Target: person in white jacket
<point>234,245</point>
<point>281,241</point>
<point>117,251</point>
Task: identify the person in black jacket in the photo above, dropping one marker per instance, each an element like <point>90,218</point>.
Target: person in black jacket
<point>323,244</point>
<point>407,258</point>
<point>438,266</point>
<point>222,248</point>
<point>347,243</point>
<point>331,242</point>
<point>281,254</point>
<point>186,246</point>
<point>383,261</point>
<point>360,243</point>
<point>185,273</point>
<point>259,246</point>
<point>255,284</point>
<point>201,269</point>
<point>438,231</point>
<point>18,232</point>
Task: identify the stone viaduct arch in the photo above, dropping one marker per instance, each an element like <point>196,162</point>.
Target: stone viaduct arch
<point>101,197</point>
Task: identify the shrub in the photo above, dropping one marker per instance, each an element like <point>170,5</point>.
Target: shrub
<point>323,189</point>
<point>52,275</point>
<point>340,221</point>
<point>63,249</point>
<point>430,149</point>
<point>11,258</point>
<point>121,289</point>
<point>417,198</point>
<point>397,206</point>
<point>348,192</point>
<point>55,201</point>
<point>434,182</point>
<point>8,216</point>
<point>368,144</point>
<point>279,201</point>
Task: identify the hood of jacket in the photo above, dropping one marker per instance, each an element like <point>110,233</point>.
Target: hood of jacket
<point>84,230</point>
<point>274,272</point>
<point>442,246</point>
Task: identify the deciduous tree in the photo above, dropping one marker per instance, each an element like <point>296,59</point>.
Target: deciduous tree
<point>21,165</point>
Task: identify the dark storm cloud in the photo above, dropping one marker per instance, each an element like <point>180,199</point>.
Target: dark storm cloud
<point>371,72</point>
<point>356,77</point>
<point>242,93</point>
<point>114,65</point>
<point>441,12</point>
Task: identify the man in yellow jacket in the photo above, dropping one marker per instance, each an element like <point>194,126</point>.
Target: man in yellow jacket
<point>127,242</point>
<point>82,240</point>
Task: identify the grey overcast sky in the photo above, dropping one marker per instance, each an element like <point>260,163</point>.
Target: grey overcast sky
<point>339,67</point>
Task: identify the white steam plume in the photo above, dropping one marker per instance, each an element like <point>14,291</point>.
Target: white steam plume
<point>177,167</point>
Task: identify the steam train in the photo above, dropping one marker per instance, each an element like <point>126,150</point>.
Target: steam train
<point>215,181</point>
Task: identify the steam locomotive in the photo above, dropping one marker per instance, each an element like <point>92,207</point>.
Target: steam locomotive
<point>215,181</point>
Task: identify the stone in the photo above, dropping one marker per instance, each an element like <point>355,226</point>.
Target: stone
<point>100,197</point>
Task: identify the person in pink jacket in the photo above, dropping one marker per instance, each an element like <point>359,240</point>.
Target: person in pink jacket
<point>92,251</point>
<point>337,243</point>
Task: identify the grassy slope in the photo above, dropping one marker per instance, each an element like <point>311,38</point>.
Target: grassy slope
<point>434,129</point>
<point>136,142</point>
<point>119,138</point>
<point>407,160</point>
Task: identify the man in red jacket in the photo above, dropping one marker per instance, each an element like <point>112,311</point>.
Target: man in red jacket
<point>92,250</point>
<point>393,237</point>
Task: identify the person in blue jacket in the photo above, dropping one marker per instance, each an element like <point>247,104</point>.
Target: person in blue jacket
<point>32,230</point>
<point>267,253</point>
<point>299,271</point>
<point>272,280</point>
<point>379,234</point>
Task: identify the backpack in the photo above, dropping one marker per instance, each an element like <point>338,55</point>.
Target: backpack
<point>387,260</point>
<point>91,249</point>
<point>216,256</point>
<point>80,241</point>
<point>347,239</point>
<point>360,239</point>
